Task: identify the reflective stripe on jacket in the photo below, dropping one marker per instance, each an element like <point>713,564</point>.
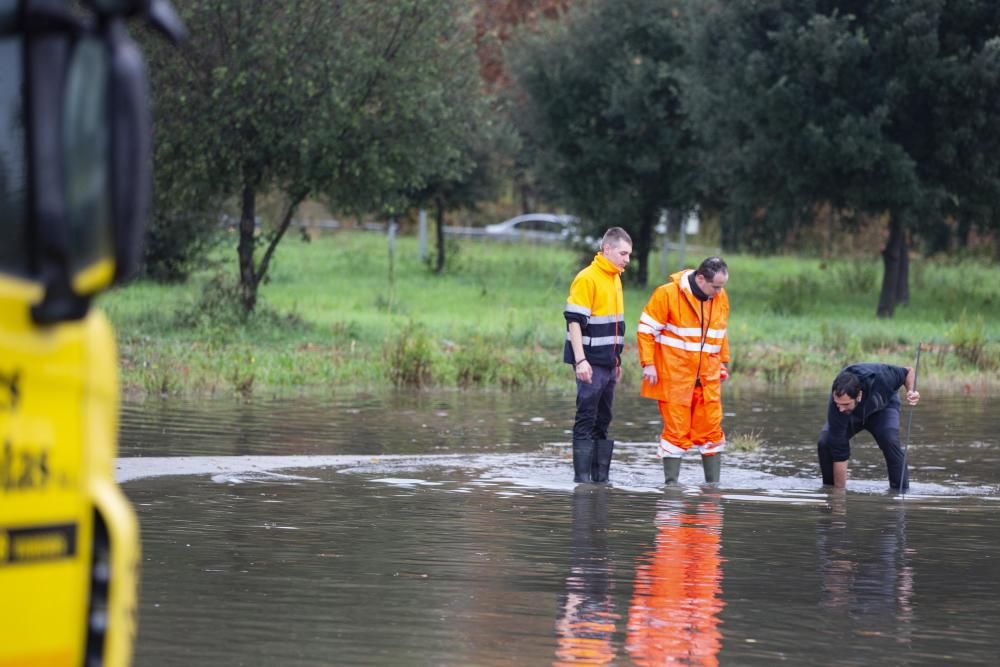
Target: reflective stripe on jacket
<point>596,302</point>
<point>685,339</point>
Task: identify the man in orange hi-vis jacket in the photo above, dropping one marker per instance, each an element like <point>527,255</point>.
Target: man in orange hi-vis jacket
<point>683,349</point>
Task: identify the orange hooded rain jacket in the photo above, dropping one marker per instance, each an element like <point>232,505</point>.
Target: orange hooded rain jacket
<point>686,339</point>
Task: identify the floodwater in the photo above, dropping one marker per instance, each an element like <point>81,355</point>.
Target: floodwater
<point>443,529</point>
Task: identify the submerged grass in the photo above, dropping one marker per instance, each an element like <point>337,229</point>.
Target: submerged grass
<point>746,441</point>
<point>332,316</point>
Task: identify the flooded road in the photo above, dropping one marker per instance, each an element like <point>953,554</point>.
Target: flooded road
<point>443,529</point>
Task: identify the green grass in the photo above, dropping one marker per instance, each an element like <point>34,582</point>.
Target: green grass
<point>330,318</point>
<point>745,441</point>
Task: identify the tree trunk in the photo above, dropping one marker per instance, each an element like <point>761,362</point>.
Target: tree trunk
<point>641,243</point>
<point>964,227</point>
<point>248,277</point>
<point>830,217</point>
<point>439,219</point>
<point>903,282</point>
<point>525,191</point>
<point>729,232</point>
<point>894,262</point>
<point>286,221</point>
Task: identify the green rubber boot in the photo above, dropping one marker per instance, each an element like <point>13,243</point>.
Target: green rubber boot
<point>671,470</point>
<point>712,465</point>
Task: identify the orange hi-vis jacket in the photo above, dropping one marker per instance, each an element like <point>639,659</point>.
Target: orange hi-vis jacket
<point>596,301</point>
<point>686,340</point>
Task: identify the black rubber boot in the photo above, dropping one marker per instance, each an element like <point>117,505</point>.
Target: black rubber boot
<point>671,470</point>
<point>583,460</point>
<point>712,466</point>
<point>602,460</point>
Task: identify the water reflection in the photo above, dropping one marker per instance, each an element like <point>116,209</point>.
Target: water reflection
<point>587,621</point>
<point>443,529</point>
<point>674,615</point>
<point>865,569</point>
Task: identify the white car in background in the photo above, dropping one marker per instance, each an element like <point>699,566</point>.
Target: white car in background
<point>535,227</point>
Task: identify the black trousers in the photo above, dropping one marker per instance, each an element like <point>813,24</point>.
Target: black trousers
<point>593,404</point>
<point>884,427</point>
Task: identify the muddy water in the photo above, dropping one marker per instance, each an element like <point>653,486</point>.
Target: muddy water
<point>442,529</point>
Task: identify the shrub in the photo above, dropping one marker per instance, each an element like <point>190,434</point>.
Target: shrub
<point>475,364</point>
<point>177,243</point>
<point>409,358</point>
<point>969,340</point>
<point>794,295</point>
<point>217,312</point>
<point>217,304</point>
<point>834,336</point>
<point>527,369</point>
<point>858,276</point>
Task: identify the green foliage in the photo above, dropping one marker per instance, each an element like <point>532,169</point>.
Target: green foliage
<point>856,276</point>
<point>528,369</point>
<point>779,368</point>
<point>363,102</point>
<point>159,379</point>
<point>969,340</point>
<point>452,257</point>
<point>868,107</point>
<point>216,305</point>
<point>476,364</point>
<point>794,294</point>
<point>749,441</point>
<point>213,312</point>
<point>409,358</point>
<point>835,102</point>
<point>834,336</point>
<point>176,242</point>
<point>604,89</point>
<point>838,341</point>
<point>497,322</point>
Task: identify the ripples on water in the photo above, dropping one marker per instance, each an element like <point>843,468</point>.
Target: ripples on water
<point>444,530</point>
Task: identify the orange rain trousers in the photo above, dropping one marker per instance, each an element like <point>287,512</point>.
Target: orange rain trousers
<point>686,426</point>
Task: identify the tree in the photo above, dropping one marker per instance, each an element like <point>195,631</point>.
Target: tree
<point>603,89</point>
<point>488,140</point>
<point>498,24</point>
<point>808,102</point>
<point>352,100</point>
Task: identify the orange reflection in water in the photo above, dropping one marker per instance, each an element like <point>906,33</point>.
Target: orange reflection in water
<point>674,615</point>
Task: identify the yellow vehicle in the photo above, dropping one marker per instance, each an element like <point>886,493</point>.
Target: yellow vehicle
<point>74,191</point>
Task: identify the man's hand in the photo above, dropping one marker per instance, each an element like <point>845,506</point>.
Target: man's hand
<point>723,373</point>
<point>913,397</point>
<point>649,374</point>
<point>584,373</point>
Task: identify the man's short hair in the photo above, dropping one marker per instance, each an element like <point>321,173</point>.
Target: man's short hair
<point>846,384</point>
<point>615,236</point>
<point>712,266</point>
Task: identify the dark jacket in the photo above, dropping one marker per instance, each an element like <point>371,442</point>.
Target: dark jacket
<point>880,385</point>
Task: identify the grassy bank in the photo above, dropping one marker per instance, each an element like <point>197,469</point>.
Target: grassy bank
<point>336,314</point>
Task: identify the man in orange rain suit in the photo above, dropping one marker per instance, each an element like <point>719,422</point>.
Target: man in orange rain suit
<point>683,349</point>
